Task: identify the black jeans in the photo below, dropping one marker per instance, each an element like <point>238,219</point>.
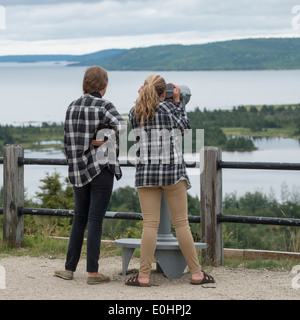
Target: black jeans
<point>90,205</point>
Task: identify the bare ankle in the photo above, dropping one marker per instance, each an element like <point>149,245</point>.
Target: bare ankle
<point>143,279</point>
<point>198,275</point>
<point>94,274</point>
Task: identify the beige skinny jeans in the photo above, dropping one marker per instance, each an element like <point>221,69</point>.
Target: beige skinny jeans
<point>176,197</point>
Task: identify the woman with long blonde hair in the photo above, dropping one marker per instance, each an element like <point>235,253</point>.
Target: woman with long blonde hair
<point>161,171</point>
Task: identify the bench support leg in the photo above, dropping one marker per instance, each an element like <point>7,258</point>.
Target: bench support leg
<point>171,262</point>
<point>126,256</point>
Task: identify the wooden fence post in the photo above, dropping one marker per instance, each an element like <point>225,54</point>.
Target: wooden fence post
<point>211,204</point>
<point>13,197</point>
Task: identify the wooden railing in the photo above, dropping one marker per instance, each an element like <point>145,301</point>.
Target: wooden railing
<point>211,213</point>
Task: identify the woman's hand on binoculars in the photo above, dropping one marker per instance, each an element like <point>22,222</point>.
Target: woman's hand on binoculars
<point>176,93</point>
<point>97,143</point>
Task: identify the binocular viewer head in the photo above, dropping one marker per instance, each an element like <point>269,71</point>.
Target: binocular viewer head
<point>185,93</point>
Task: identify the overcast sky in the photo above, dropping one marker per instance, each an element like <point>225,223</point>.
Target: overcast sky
<point>77,27</point>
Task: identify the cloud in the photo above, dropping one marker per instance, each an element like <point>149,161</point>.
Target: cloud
<point>83,45</point>
<point>108,21</point>
<point>40,2</point>
<point>99,19</point>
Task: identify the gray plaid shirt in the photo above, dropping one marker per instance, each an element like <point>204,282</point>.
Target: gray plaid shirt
<point>85,118</point>
<point>159,159</point>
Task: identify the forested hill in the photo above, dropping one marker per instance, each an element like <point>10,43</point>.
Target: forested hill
<point>248,54</point>
<point>245,54</point>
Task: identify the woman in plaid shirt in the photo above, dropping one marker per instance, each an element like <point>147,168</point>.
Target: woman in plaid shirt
<point>91,174</point>
<point>157,124</point>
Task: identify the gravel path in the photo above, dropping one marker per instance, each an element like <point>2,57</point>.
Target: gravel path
<point>32,278</point>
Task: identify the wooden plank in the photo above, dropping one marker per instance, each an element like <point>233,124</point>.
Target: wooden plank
<point>211,204</point>
<point>250,254</point>
<point>13,196</point>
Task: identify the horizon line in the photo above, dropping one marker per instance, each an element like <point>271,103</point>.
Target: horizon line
<point>161,45</point>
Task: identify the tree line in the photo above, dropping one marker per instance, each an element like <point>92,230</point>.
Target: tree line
<point>257,119</point>
<point>243,54</point>
<point>30,136</point>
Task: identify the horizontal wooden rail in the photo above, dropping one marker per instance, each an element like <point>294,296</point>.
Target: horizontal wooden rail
<point>211,217</point>
<point>259,220</point>
<point>220,164</point>
<point>63,162</point>
<point>258,165</point>
<point>70,213</point>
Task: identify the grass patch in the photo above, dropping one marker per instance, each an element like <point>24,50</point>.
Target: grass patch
<point>38,246</point>
<point>268,264</point>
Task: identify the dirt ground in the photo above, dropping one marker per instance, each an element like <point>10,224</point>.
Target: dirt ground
<point>32,278</point>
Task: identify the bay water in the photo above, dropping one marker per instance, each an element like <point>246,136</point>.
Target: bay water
<point>41,92</point>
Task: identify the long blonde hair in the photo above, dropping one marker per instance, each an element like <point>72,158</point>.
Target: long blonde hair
<point>148,99</point>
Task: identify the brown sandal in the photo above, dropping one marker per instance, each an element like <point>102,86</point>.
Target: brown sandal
<point>207,279</point>
<point>134,281</point>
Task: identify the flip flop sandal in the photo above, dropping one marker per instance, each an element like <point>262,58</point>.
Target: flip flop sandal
<point>207,279</point>
<point>133,281</point>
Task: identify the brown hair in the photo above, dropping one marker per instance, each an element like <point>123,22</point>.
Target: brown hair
<point>148,99</point>
<point>95,79</point>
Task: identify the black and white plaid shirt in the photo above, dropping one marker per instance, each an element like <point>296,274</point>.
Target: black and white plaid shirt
<point>85,118</point>
<point>159,159</point>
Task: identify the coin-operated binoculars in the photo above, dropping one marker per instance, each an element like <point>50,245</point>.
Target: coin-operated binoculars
<point>185,93</point>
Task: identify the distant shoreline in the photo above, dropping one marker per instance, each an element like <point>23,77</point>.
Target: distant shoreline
<point>232,55</point>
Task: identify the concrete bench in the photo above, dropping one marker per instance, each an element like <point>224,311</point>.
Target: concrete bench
<point>167,254</point>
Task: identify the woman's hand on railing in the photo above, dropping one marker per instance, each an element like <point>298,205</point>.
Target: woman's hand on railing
<point>97,143</point>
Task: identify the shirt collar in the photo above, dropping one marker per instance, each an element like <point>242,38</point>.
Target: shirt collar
<point>96,94</point>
